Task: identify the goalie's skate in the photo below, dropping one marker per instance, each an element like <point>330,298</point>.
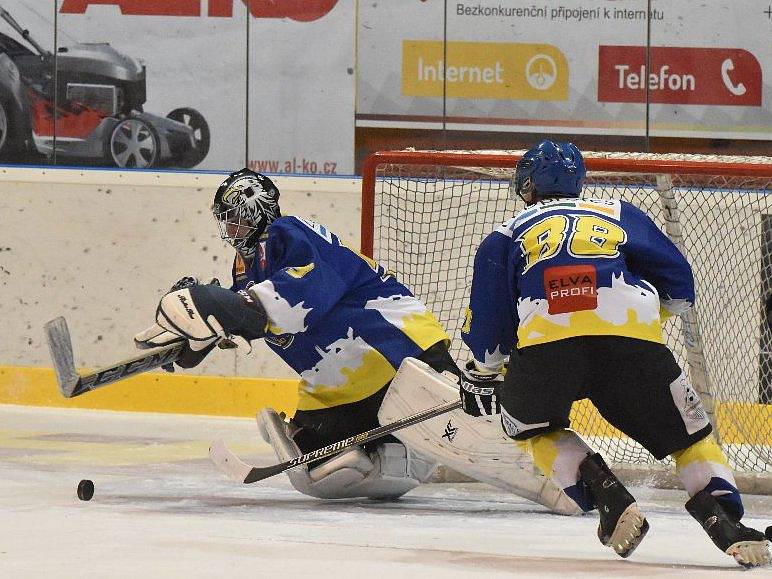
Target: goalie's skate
<point>748,546</point>
<point>622,525</point>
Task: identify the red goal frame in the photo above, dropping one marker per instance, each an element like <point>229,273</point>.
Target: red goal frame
<point>509,160</point>
<point>673,171</point>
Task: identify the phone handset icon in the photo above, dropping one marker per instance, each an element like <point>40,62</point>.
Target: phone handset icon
<point>736,89</point>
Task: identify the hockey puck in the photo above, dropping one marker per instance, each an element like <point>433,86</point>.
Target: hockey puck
<point>85,490</point>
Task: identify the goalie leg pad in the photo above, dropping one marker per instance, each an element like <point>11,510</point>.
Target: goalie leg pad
<point>384,474</point>
<point>474,446</point>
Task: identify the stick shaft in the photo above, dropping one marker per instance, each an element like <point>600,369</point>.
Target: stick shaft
<point>72,384</point>
<point>126,368</point>
<point>239,470</point>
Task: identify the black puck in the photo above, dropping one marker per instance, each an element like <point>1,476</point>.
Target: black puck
<point>85,490</point>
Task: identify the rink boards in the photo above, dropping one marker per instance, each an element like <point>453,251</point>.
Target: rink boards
<point>244,397</point>
<point>107,244</point>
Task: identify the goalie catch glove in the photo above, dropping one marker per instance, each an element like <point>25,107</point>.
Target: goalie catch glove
<point>478,390</point>
<point>204,315</point>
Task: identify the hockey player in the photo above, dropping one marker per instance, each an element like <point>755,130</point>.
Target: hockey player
<point>571,294</point>
<point>341,321</point>
<point>337,318</point>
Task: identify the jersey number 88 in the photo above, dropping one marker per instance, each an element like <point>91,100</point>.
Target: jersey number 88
<point>589,236</point>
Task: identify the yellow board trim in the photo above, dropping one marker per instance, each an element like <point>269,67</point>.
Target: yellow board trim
<point>730,416</point>
<point>154,392</point>
<point>218,396</point>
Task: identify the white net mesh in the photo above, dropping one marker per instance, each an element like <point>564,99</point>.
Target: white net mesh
<point>429,216</point>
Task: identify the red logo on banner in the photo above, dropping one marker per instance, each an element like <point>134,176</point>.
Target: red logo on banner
<point>300,10</point>
<point>696,76</point>
<point>571,288</point>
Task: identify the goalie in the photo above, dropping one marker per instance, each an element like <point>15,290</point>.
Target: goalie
<point>344,324</point>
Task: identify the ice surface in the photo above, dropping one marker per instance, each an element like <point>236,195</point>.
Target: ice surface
<point>161,510</point>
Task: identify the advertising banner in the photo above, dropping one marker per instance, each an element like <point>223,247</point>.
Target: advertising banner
<point>301,89</point>
<point>179,83</point>
<point>570,66</point>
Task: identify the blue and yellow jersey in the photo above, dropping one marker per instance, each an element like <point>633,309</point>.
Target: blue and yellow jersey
<point>335,316</point>
<point>573,267</point>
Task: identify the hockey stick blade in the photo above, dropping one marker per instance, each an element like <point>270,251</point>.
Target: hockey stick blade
<point>72,384</point>
<point>60,347</point>
<point>238,470</point>
<point>235,468</point>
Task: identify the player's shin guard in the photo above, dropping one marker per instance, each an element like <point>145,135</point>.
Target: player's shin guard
<point>748,546</point>
<point>622,526</point>
<point>703,466</point>
<point>558,455</point>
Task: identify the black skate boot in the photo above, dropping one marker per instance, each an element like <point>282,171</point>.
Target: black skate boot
<point>748,546</point>
<point>622,526</point>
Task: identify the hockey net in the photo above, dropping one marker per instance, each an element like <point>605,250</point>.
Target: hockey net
<point>424,213</point>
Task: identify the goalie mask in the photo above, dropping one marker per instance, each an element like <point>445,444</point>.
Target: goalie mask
<point>550,170</point>
<point>245,205</point>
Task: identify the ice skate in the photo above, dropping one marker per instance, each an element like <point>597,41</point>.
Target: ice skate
<point>622,525</point>
<point>749,547</point>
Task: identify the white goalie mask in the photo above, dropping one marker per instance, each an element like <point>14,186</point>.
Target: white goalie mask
<point>245,204</point>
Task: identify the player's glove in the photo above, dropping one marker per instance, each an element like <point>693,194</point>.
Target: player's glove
<point>478,390</point>
<point>203,316</point>
<point>177,318</point>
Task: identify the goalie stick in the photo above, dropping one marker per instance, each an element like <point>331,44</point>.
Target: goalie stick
<point>72,384</point>
<point>238,470</point>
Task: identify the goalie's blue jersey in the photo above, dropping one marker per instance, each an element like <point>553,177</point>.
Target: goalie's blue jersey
<point>573,267</point>
<point>335,316</point>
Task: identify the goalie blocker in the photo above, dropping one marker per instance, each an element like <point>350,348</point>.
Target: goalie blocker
<point>203,315</point>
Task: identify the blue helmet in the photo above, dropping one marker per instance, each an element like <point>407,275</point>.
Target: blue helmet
<point>550,169</point>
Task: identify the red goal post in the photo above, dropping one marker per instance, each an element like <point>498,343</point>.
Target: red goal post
<point>425,212</point>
